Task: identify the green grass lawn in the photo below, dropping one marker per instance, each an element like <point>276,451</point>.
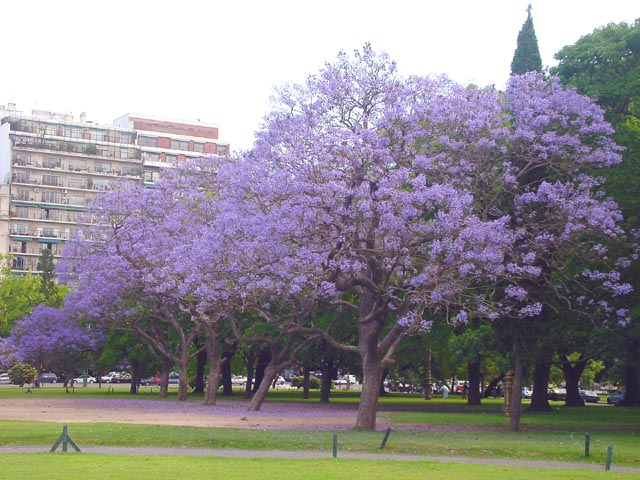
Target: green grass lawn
<point>460,431</point>
<point>100,467</point>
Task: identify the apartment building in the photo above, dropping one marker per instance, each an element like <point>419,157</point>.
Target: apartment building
<point>163,141</point>
<point>51,167</point>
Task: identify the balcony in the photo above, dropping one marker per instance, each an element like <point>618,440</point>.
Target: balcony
<point>84,149</point>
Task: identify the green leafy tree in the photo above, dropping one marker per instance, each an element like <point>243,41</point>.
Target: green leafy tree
<point>22,373</point>
<point>53,293</point>
<point>19,294</point>
<point>527,55</point>
<point>605,64</point>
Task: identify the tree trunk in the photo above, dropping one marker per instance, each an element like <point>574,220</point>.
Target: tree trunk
<point>225,375</point>
<point>372,370</point>
<point>213,355</point>
<point>473,389</point>
<point>305,383</point>
<point>572,375</point>
<point>261,392</point>
<point>327,373</point>
<point>250,358</point>
<point>135,377</point>
<point>225,368</point>
<point>428,385</point>
<point>183,382</point>
<point>516,392</point>
<point>201,361</point>
<point>164,377</point>
<point>539,397</point>
<point>491,388</point>
<point>632,374</point>
<point>264,359</point>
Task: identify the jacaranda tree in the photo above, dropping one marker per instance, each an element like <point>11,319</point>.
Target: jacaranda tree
<point>407,196</point>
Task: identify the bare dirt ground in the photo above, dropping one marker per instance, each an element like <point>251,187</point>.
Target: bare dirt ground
<point>231,414</point>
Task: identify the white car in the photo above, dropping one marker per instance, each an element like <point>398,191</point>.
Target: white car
<point>346,379</point>
<point>111,377</point>
<point>238,381</point>
<point>4,379</point>
<point>80,379</point>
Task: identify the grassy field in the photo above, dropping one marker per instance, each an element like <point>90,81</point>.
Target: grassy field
<point>460,431</point>
<point>102,467</point>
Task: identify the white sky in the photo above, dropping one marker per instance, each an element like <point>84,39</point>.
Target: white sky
<point>219,61</point>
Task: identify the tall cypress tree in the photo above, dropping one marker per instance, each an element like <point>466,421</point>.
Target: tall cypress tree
<point>527,55</point>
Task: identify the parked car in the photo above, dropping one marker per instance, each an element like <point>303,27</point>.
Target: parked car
<point>4,379</point>
<point>149,381</point>
<point>616,397</point>
<point>238,381</point>
<point>589,396</point>
<point>81,378</point>
<point>108,377</point>
<point>174,378</point>
<point>526,393</point>
<point>557,394</point>
<point>116,377</point>
<point>48,378</point>
<point>346,379</point>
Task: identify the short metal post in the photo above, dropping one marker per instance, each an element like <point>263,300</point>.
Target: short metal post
<point>335,445</point>
<point>65,439</point>
<point>587,440</point>
<point>607,463</point>
<point>386,437</point>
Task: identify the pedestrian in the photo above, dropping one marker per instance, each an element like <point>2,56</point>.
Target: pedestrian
<point>465,390</point>
<point>445,392</point>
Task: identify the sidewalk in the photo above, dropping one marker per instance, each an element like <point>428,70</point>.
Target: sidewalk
<point>197,452</point>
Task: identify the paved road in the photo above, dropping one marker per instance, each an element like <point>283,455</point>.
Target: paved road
<point>198,452</point>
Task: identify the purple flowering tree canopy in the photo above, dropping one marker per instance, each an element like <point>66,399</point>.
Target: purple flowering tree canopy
<point>52,339</point>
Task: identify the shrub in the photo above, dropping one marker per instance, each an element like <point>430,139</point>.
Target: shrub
<point>22,373</point>
<point>314,382</point>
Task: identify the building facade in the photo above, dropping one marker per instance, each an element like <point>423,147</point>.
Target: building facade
<point>51,168</point>
<point>163,141</point>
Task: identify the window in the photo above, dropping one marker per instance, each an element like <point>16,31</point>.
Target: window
<point>130,170</point>
<point>22,194</point>
<point>49,232</point>
<point>49,214</point>
<point>151,157</point>
<point>76,200</point>
<point>21,177</point>
<point>147,141</point>
<point>151,176</point>
<point>22,212</point>
<point>179,145</point>
<point>198,147</point>
<point>51,180</point>
<point>105,151</point>
<point>102,167</point>
<point>171,158</point>
<point>20,228</point>
<point>126,137</point>
<point>50,197</point>
<point>51,162</point>
<point>99,184</point>
<point>22,159</point>
<point>19,263</point>
<point>77,182</point>
<point>78,165</point>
